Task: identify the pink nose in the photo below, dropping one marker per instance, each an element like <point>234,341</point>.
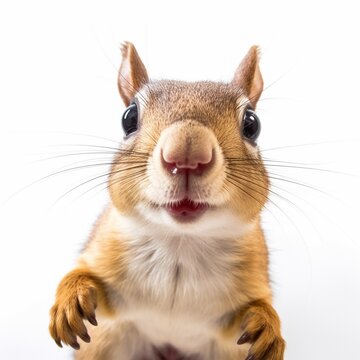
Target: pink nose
<point>196,161</point>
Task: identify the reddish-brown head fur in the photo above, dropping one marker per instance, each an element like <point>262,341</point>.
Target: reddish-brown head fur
<point>174,114</point>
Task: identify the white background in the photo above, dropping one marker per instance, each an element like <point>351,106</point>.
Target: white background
<point>58,64</point>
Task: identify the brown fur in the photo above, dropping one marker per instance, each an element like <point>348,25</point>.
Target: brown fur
<point>102,274</point>
<point>77,297</point>
<point>132,73</point>
<point>211,104</point>
<point>261,327</point>
<point>248,76</point>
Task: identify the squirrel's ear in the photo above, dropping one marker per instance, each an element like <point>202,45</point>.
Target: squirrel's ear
<point>132,73</point>
<point>248,76</point>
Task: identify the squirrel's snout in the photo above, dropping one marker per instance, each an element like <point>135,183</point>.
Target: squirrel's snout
<point>186,168</point>
<point>187,155</point>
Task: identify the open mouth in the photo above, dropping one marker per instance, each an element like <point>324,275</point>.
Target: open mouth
<point>186,209</point>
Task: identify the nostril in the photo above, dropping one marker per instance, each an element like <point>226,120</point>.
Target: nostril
<point>202,167</point>
<point>196,163</point>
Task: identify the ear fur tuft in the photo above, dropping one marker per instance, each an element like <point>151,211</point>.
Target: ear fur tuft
<point>132,73</point>
<point>248,76</point>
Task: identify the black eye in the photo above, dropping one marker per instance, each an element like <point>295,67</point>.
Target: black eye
<point>130,119</point>
<point>251,125</point>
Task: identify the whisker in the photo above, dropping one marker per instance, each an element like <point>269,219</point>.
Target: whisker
<point>283,164</point>
<point>271,202</point>
<point>272,192</point>
<point>306,145</point>
<point>76,154</point>
<point>265,160</point>
<point>117,150</point>
<point>236,184</point>
<point>125,181</point>
<point>98,177</point>
<point>84,135</point>
<point>62,171</point>
<point>273,176</point>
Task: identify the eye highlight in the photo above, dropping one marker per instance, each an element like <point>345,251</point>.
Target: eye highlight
<point>130,119</point>
<point>251,125</point>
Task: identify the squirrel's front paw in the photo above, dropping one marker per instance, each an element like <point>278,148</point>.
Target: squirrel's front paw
<point>76,300</point>
<point>261,328</point>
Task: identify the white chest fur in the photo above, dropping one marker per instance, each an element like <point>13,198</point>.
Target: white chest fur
<point>178,286</point>
<point>178,277</point>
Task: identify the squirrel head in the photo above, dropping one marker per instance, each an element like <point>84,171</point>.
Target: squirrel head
<point>189,155</point>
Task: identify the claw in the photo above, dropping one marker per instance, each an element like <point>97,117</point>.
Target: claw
<point>92,320</point>
<point>75,346</point>
<point>85,337</point>
<point>245,337</point>
<point>58,342</point>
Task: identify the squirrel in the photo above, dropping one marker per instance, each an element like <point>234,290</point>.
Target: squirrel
<point>176,266</point>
